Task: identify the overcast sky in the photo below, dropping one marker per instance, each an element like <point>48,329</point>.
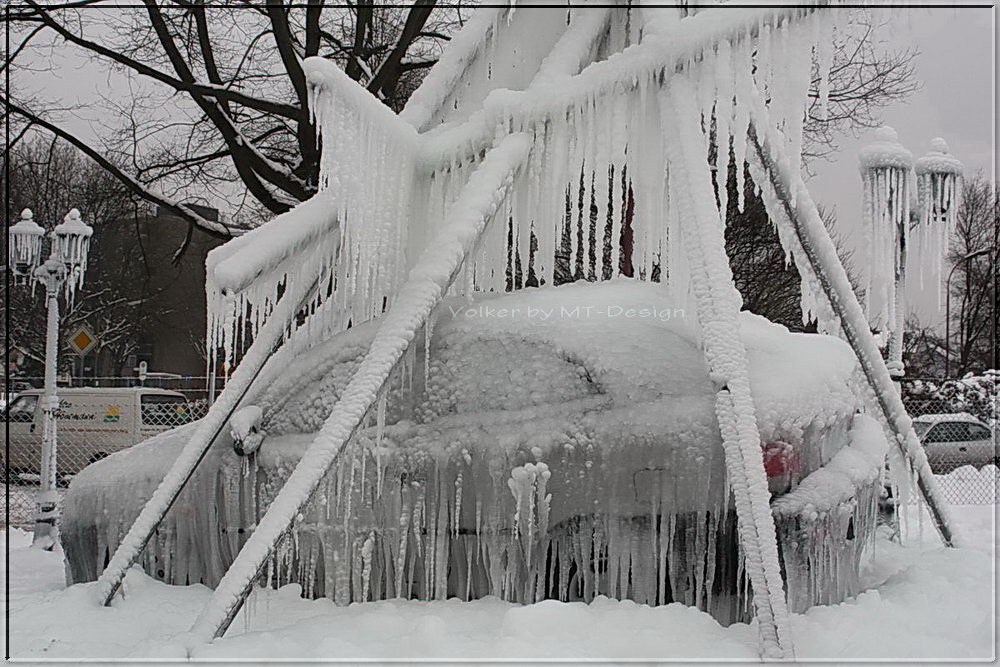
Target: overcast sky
<point>956,65</point>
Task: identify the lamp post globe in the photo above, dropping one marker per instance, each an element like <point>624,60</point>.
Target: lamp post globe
<point>71,245</point>
<point>24,246</point>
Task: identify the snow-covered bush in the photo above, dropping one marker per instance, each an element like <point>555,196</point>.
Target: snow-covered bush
<point>974,394</point>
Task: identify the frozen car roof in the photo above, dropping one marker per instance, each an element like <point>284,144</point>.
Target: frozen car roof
<point>950,416</point>
<point>530,349</point>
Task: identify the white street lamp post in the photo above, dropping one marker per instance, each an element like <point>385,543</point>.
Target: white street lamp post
<point>64,269</point>
<point>886,174</point>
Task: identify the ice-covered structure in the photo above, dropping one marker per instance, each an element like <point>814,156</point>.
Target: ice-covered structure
<point>576,143</point>
<point>535,456</point>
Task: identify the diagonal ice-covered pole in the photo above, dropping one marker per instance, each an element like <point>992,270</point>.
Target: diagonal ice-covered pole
<point>788,203</point>
<point>426,285</point>
<point>152,513</point>
<point>718,304</point>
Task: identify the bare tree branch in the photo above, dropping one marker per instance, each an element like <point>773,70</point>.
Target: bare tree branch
<point>177,208</point>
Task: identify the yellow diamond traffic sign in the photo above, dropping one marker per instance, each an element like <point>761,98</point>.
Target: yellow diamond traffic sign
<point>82,340</point>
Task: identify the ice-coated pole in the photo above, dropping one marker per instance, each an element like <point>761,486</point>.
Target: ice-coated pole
<point>47,504</point>
<point>64,268</point>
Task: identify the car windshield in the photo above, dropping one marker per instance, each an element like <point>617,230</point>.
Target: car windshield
<point>159,410</point>
<point>22,409</point>
<point>921,428</point>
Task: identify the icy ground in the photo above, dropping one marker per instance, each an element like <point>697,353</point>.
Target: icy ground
<point>923,601</point>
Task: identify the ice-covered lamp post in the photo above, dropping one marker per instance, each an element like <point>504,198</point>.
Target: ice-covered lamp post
<point>939,176</point>
<point>886,169</point>
<point>894,234</point>
<point>62,270</point>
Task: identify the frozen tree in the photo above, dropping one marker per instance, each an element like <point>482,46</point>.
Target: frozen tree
<point>216,105</point>
<point>923,349</point>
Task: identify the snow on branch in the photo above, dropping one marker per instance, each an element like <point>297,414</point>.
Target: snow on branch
<point>574,48</point>
<point>444,76</point>
<point>234,266</point>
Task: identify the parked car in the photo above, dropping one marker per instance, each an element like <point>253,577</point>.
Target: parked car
<point>955,440</point>
<point>91,423</point>
<point>526,451</point>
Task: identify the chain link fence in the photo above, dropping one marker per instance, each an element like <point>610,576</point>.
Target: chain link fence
<point>96,417</point>
<point>956,421</point>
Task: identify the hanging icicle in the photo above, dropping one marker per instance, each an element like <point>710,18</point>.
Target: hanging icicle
<point>355,236</point>
<point>24,247</point>
<point>71,246</point>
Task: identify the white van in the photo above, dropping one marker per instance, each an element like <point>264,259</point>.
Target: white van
<point>92,422</point>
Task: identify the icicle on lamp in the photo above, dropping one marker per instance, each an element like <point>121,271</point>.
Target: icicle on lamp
<point>939,177</point>
<point>70,246</point>
<point>24,247</point>
<point>886,169</point>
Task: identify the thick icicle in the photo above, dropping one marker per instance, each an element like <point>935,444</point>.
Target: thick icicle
<point>885,172</point>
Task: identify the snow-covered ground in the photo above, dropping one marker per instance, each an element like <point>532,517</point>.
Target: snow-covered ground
<point>922,601</point>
